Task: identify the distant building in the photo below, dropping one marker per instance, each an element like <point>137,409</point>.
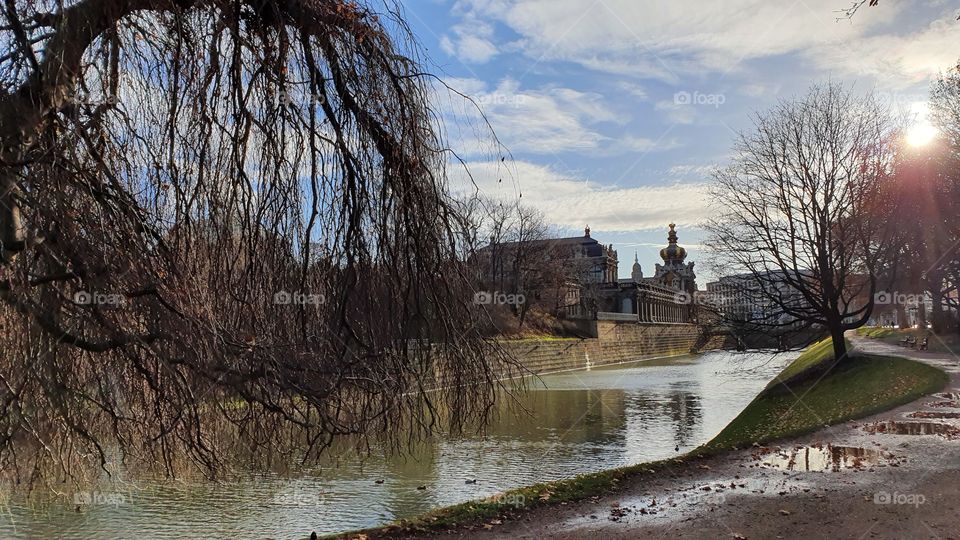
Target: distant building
<point>591,285</point>
<point>747,298</point>
<point>566,265</point>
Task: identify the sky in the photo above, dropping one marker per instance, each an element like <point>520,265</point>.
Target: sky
<point>615,112</point>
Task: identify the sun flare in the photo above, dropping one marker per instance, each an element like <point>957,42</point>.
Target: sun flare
<point>921,134</point>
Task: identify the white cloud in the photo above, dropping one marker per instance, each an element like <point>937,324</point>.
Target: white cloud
<point>757,90</point>
<point>646,144</point>
<point>677,113</point>
<point>896,61</point>
<point>540,121</point>
<point>633,90</point>
<point>670,37</point>
<point>470,42</point>
<point>547,120</point>
<point>573,202</point>
<point>692,171</point>
<point>671,40</point>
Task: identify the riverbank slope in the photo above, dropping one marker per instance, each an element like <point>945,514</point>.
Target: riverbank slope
<point>683,497</point>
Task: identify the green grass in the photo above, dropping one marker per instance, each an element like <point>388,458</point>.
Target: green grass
<point>515,501</point>
<point>817,354</point>
<point>819,392</point>
<point>537,338</point>
<point>876,331</point>
<point>942,343</point>
<point>855,388</point>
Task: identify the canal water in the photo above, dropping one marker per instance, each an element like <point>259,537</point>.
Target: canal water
<point>578,422</point>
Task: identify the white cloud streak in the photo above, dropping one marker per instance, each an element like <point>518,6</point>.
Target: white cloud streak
<point>572,202</point>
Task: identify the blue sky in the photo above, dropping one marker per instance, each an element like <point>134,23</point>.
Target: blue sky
<point>615,111</point>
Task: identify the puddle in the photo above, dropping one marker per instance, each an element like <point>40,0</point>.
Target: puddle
<point>934,414</point>
<point>825,458</point>
<point>948,404</point>
<point>682,502</point>
<point>913,428</point>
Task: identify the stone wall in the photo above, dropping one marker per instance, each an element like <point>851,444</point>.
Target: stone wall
<point>616,343</point>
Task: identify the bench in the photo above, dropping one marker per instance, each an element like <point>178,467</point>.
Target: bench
<point>908,342</point>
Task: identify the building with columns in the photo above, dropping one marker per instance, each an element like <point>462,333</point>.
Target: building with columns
<point>665,297</point>
<point>592,288</point>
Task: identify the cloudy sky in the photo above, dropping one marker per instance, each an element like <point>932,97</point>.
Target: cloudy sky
<point>615,111</point>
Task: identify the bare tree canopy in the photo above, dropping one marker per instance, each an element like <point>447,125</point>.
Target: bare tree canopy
<point>805,209</point>
<point>223,221</point>
<point>941,258</point>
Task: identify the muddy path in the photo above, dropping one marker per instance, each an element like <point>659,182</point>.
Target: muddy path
<point>892,475</point>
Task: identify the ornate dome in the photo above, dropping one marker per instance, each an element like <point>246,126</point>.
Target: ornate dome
<point>673,253</point>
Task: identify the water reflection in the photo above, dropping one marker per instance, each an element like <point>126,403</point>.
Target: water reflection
<point>579,422</point>
<point>824,458</point>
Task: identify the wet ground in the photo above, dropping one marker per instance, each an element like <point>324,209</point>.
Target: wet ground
<point>893,475</point>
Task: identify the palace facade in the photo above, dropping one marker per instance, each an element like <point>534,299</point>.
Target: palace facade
<point>584,274</point>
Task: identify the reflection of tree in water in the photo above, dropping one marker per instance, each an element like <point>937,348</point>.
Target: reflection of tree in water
<point>680,403</point>
<point>575,416</point>
<point>685,410</point>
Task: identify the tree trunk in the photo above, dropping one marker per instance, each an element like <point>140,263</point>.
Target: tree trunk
<point>11,227</point>
<point>922,312</point>
<point>839,345</point>
<point>902,317</point>
<point>937,314</point>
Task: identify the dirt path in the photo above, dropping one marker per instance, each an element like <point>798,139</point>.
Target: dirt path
<point>862,483</point>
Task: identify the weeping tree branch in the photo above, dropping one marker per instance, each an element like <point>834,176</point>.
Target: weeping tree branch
<point>222,222</point>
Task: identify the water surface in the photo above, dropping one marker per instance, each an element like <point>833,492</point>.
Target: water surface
<point>581,422</point>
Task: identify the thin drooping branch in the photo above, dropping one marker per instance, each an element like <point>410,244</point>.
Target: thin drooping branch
<point>225,230</point>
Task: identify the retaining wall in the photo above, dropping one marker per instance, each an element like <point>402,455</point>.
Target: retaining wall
<point>616,342</point>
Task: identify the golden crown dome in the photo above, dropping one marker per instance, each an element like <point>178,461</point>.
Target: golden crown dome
<point>673,252</point>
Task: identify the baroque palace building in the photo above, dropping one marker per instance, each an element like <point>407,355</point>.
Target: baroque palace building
<point>593,289</point>
<point>665,297</point>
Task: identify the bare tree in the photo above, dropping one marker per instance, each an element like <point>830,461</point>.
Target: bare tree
<point>943,265</point>
<point>805,208</point>
<point>847,13</point>
<point>224,222</point>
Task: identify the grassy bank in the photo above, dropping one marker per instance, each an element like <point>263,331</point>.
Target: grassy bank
<point>941,343</point>
<point>817,356</point>
<point>811,392</point>
<point>814,391</point>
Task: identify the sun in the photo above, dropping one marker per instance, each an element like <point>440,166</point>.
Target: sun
<point>920,134</point>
